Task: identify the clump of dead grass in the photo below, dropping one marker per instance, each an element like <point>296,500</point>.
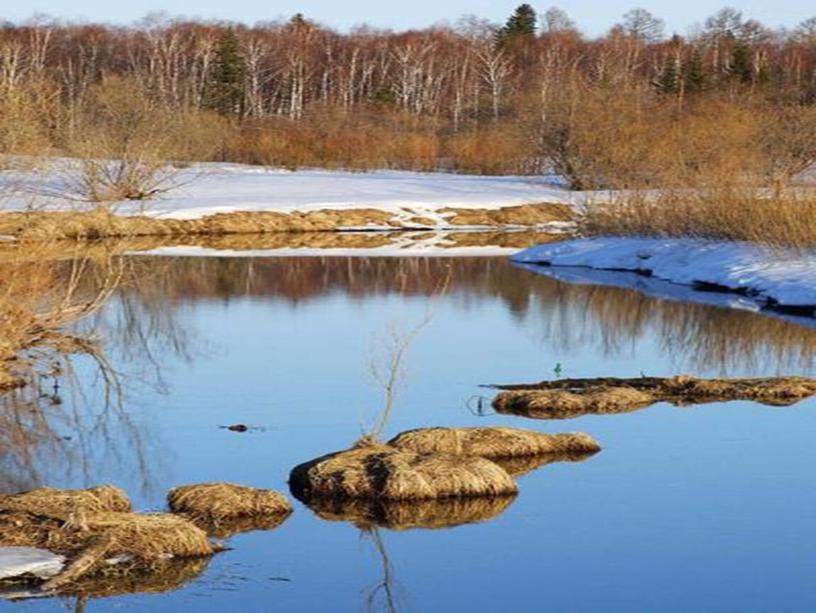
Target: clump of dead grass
<point>496,442</point>
<point>573,397</point>
<point>225,501</point>
<point>375,471</point>
<point>56,503</point>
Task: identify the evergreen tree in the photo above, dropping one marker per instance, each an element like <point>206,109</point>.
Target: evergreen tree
<point>521,24</point>
<point>668,82</point>
<point>741,67</point>
<point>694,76</point>
<point>225,87</point>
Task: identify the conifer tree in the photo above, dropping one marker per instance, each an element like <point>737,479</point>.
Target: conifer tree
<point>741,66</point>
<point>225,87</point>
<point>521,24</point>
<point>668,82</point>
<point>694,76</point>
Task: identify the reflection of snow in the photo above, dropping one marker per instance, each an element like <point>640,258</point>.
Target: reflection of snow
<point>657,288</point>
<point>763,277</point>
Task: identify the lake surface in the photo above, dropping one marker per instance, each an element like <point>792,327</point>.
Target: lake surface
<point>704,508</point>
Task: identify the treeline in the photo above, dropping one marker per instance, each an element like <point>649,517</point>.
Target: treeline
<point>475,97</point>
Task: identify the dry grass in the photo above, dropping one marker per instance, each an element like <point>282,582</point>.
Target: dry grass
<point>226,501</point>
<point>574,397</point>
<point>143,536</point>
<point>60,504</point>
<point>402,515</point>
<point>522,465</point>
<point>76,225</point>
<point>227,528</point>
<point>493,443</point>
<point>787,220</point>
<point>379,472</point>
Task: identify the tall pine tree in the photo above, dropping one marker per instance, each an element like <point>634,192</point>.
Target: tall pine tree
<point>225,87</point>
<point>521,24</point>
<point>741,68</point>
<point>694,76</point>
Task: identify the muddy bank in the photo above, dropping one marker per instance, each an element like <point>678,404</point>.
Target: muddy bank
<point>76,225</point>
<point>574,397</point>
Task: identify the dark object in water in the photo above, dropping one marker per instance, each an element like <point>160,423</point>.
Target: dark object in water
<point>575,397</point>
<point>237,428</point>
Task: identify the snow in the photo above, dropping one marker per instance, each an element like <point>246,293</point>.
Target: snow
<point>661,290</point>
<point>768,276</point>
<point>207,189</point>
<point>17,561</point>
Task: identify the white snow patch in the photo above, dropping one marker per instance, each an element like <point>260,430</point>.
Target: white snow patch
<point>769,276</point>
<point>208,189</point>
<point>18,561</point>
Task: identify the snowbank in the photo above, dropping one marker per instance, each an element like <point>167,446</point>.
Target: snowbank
<point>207,189</point>
<point>768,277</point>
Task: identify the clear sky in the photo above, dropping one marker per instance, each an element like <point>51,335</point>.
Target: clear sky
<point>592,16</point>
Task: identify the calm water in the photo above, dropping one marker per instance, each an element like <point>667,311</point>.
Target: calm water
<point>705,508</point>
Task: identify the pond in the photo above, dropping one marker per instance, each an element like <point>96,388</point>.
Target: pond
<point>699,508</point>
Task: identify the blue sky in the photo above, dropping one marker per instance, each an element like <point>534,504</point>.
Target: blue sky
<point>593,16</point>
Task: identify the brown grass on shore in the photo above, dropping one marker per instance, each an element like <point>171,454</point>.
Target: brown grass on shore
<point>78,225</point>
<point>225,501</point>
<point>491,443</point>
<point>573,397</point>
<point>787,220</point>
<point>381,472</point>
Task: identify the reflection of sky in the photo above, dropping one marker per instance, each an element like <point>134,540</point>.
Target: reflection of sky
<point>706,508</point>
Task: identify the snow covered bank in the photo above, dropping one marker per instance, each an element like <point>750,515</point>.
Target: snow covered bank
<point>411,199</point>
<point>768,277</point>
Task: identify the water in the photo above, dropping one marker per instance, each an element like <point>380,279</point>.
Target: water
<point>703,508</point>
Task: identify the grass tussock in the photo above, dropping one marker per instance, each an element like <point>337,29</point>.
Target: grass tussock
<point>55,503</point>
<point>494,442</point>
<point>226,501</point>
<point>380,472</point>
<point>143,536</point>
<point>574,397</point>
<point>402,515</point>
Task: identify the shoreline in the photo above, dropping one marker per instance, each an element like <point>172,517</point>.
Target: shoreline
<point>73,225</point>
<point>763,278</point>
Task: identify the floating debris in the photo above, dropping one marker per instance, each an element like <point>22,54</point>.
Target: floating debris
<point>408,515</point>
<point>574,397</point>
<point>236,428</point>
<point>380,472</point>
<point>493,443</point>
<point>223,501</point>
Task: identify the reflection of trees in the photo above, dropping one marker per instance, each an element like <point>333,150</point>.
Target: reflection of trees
<point>56,419</point>
<point>611,319</point>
